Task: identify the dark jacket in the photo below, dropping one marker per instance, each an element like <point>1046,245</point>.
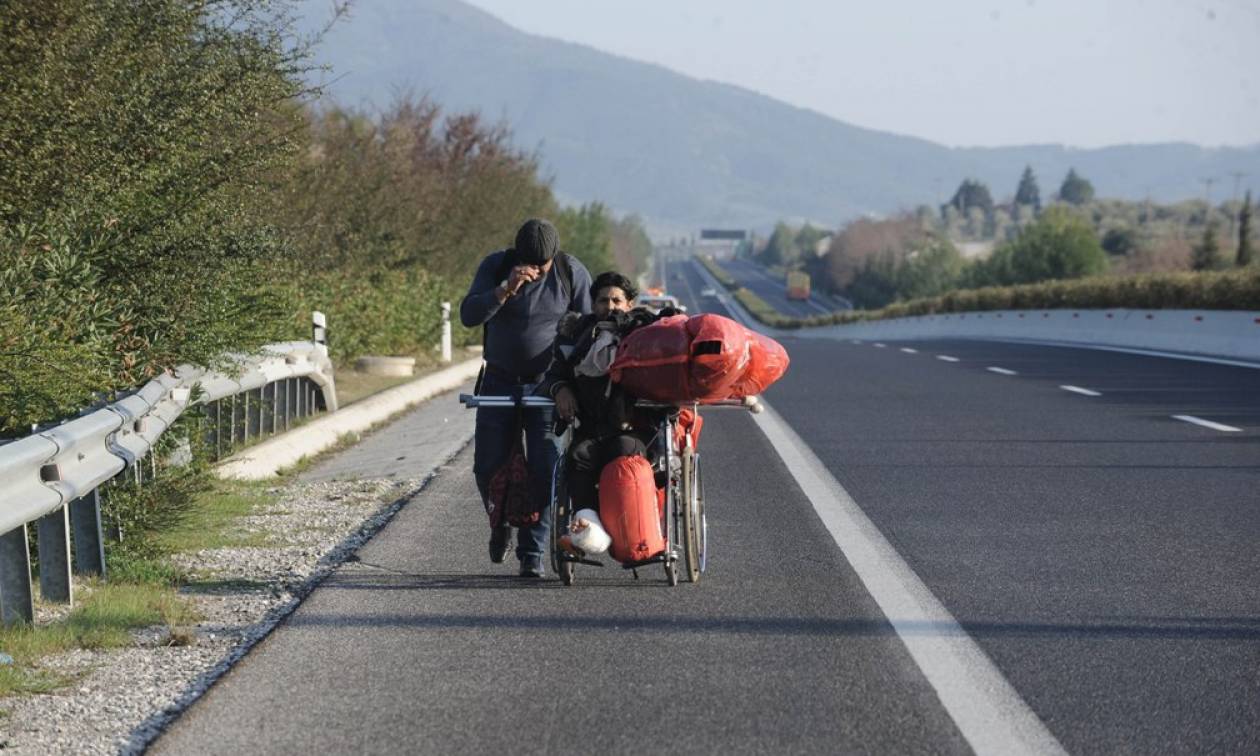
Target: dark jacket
<point>519,332</point>
<point>604,408</point>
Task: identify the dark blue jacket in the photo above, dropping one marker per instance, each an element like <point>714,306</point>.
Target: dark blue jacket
<point>520,332</point>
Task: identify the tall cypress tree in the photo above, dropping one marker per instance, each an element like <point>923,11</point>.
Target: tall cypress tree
<point>1028,193</point>
<point>1245,255</point>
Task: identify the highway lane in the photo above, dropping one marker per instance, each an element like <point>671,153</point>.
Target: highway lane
<point>1100,552</point>
<point>1103,553</point>
<point>774,291</point>
<point>424,646</point>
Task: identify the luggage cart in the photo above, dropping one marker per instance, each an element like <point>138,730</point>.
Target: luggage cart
<point>682,518</point>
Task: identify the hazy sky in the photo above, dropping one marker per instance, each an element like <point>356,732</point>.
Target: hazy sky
<point>961,72</point>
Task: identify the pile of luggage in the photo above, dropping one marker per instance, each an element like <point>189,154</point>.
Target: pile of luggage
<point>676,359</point>
<point>697,359</point>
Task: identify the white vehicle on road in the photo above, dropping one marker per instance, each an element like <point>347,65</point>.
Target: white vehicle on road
<point>658,302</point>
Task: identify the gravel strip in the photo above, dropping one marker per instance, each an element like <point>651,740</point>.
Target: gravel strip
<point>122,698</point>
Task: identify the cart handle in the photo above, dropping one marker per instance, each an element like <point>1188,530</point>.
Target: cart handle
<point>751,403</point>
<point>473,400</point>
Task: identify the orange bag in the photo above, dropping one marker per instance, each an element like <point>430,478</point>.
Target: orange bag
<point>628,509</point>
<point>651,362</point>
<point>719,355</point>
<point>767,362</point>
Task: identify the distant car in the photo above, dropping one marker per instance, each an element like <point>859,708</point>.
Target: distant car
<point>708,291</point>
<point>658,302</point>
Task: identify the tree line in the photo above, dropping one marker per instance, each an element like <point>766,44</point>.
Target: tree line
<point>172,190</point>
<point>875,262</point>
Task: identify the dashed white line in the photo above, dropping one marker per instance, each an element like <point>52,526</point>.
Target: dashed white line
<point>881,345</point>
<point>946,358</point>
<point>1081,391</point>
<point>987,709</point>
<point>908,350</point>
<point>1001,371</point>
<point>1207,423</point>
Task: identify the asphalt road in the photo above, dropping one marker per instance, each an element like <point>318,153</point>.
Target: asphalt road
<point>773,290</point>
<point>1101,553</point>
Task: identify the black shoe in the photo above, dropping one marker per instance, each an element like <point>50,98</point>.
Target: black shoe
<point>500,539</point>
<point>531,566</point>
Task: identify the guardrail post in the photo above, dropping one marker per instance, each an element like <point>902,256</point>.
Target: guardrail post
<point>89,538</point>
<point>446,332</point>
<point>236,413</point>
<point>245,415</point>
<point>284,406</point>
<point>271,408</point>
<point>17,605</point>
<point>53,532</point>
<point>319,328</point>
<point>301,397</point>
<point>218,429</point>
<point>275,407</point>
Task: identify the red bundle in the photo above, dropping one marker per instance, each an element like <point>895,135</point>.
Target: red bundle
<point>703,358</point>
<point>628,509</point>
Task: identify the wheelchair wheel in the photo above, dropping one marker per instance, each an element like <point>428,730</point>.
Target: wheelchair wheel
<point>693,530</point>
<point>559,522</point>
<point>671,572</point>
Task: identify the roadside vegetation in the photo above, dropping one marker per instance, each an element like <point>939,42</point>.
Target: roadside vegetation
<point>173,189</point>
<point>1221,290</point>
<point>972,243</point>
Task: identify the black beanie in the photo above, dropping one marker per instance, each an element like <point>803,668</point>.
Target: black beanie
<point>536,242</point>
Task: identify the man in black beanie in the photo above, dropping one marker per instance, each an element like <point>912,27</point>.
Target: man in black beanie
<point>518,295</point>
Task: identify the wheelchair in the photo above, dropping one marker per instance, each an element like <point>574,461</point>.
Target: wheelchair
<point>675,461</point>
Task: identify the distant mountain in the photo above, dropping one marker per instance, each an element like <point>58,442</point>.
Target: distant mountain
<point>687,153</point>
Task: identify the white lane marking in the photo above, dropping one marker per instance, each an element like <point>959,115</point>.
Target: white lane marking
<point>1081,391</point>
<point>1207,423</point>
<point>908,350</point>
<point>946,358</point>
<point>1001,371</point>
<point>988,711</point>
<point>881,345</point>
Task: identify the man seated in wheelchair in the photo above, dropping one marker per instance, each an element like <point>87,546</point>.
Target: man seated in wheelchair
<point>605,422</point>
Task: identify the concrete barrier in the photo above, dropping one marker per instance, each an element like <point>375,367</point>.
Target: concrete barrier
<point>269,457</point>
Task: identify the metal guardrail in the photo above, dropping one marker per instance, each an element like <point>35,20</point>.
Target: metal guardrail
<point>53,477</point>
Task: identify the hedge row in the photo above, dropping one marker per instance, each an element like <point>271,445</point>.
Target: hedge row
<point>718,272</point>
<point>1225,290</point>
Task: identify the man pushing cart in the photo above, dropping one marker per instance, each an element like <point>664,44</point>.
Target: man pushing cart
<point>629,385</point>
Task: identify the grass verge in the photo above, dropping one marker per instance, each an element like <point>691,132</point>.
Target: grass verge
<point>103,619</point>
<point>142,587</point>
<point>718,272</point>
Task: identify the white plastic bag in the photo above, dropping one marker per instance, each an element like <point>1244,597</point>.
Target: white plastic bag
<point>587,532</point>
